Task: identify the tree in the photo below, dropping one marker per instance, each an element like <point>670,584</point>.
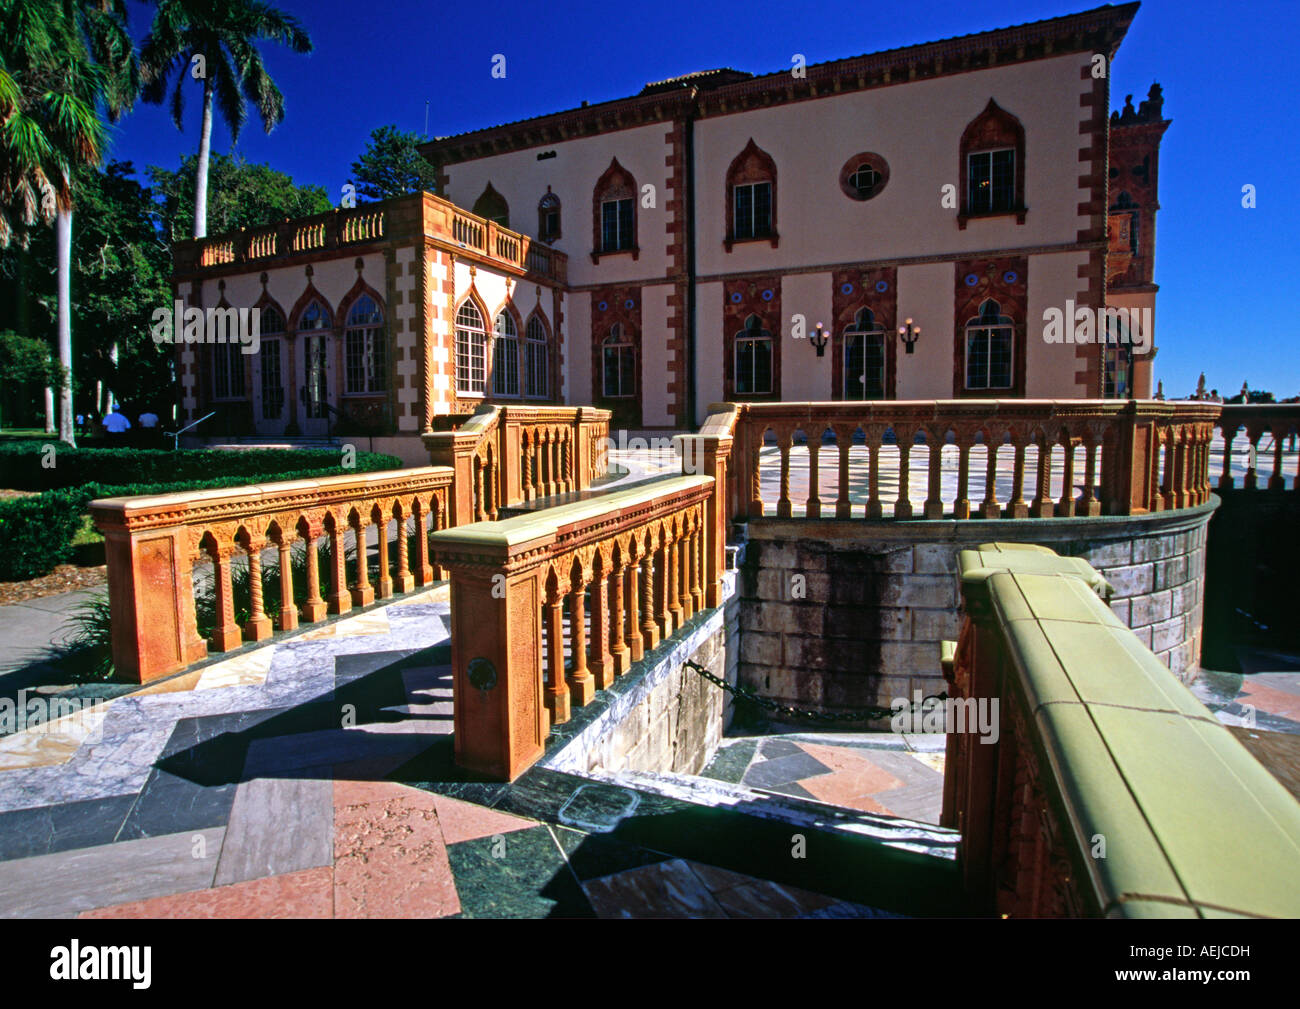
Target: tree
<point>392,165</point>
<point>243,195</point>
<point>213,41</point>
<point>62,62</point>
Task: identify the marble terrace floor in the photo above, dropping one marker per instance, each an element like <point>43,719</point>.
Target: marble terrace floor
<point>313,777</point>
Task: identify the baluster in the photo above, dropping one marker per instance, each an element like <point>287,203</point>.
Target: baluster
<point>783,507</point>
<point>874,508</point>
<point>423,565</point>
<point>933,508</point>
<point>635,642</point>
<point>650,567</point>
<point>288,614</point>
<point>672,575</point>
<point>619,651</point>
<point>1016,507</point>
<point>697,566</point>
<point>527,481</point>
<point>961,506</point>
<point>1252,457</point>
<point>686,552</point>
<point>1167,488</point>
<point>582,685</point>
<point>663,587</point>
<point>362,593</point>
<point>756,475</point>
<point>1065,507</point>
<point>226,635</point>
<point>843,506</point>
<point>1276,480</point>
<point>405,581</point>
<point>340,600</point>
<point>557,690</point>
<point>813,507</point>
<point>314,608</point>
<point>1041,507</point>
<point>1180,467</point>
<point>384,590</point>
<point>602,663</point>
<point>1225,478</point>
<point>258,625</point>
<point>1088,504</point>
<point>989,507</point>
<point>479,512</point>
<point>903,506</point>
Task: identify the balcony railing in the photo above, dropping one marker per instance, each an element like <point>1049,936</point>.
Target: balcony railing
<point>1107,788</point>
<point>1243,426</point>
<point>918,459</point>
<point>152,544</point>
<point>510,455</point>
<point>622,571</point>
<point>414,216</point>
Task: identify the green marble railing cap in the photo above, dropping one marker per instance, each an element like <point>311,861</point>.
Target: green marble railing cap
<point>1135,758</point>
<point>975,565</point>
<point>547,523</point>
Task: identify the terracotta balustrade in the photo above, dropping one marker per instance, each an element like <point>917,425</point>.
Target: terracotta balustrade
<point>1122,457</point>
<point>153,543</point>
<point>1085,779</point>
<point>624,570</point>
<point>1280,420</point>
<point>511,455</point>
<point>418,216</point>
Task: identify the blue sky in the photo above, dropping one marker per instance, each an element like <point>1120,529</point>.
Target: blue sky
<point>1229,73</point>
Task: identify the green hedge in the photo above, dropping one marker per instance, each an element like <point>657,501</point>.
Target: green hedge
<point>25,465</point>
<point>36,532</point>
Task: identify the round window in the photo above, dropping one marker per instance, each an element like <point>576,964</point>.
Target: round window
<point>864,176</point>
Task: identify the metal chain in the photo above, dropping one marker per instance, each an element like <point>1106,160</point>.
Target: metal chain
<point>806,714</point>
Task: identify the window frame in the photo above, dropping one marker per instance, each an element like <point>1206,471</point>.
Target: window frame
<point>858,331</point>
<point>372,355</point>
<point>992,131</point>
<point>541,348</point>
<point>614,186</point>
<point>620,341</point>
<point>754,335</point>
<point>470,343</point>
<point>501,342</point>
<point>987,323</point>
<point>751,168</point>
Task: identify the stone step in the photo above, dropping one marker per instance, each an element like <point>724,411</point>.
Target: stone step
<point>896,832</point>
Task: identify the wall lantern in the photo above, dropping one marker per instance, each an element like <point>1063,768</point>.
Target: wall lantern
<point>909,334</point>
<point>818,340</point>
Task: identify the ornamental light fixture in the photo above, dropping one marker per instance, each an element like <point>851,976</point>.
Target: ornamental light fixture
<point>909,334</point>
<point>818,340</point>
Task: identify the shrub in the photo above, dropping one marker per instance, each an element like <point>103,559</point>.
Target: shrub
<point>24,465</point>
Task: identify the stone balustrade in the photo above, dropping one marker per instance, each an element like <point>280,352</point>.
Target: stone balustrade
<point>153,543</point>
<point>1090,457</point>
<point>1106,788</point>
<point>1280,420</point>
<point>510,455</point>
<point>419,215</point>
<point>549,607</point>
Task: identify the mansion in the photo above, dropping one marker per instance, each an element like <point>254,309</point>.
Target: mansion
<point>888,226</point>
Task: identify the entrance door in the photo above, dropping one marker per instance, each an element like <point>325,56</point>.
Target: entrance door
<point>316,385</point>
<point>270,403</point>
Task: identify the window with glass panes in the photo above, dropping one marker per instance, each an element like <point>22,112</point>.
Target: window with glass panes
<point>616,225</point>
<point>365,360</point>
<point>227,371</point>
<point>991,182</point>
<point>619,380</point>
<point>471,351</point>
<point>505,357</point>
<point>538,360</point>
<point>989,344</point>
<point>753,359</point>
<point>753,205</point>
<point>864,358</point>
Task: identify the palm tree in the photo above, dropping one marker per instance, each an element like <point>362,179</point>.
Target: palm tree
<point>213,40</point>
<point>61,61</point>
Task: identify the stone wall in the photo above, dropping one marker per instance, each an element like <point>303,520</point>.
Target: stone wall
<point>838,615</point>
<point>661,716</point>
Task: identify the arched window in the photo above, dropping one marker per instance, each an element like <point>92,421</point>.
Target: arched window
<point>538,360</point>
<point>228,371</point>
<point>993,165</point>
<point>864,358</point>
<point>619,365</point>
<point>1127,206</point>
<point>614,207</point>
<point>1116,358</point>
<point>753,359</point>
<point>990,340</point>
<point>751,197</point>
<point>365,361</point>
<point>471,350</point>
<point>548,217</point>
<point>505,357</point>
<point>315,318</point>
<point>270,363</point>
<point>492,205</point>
